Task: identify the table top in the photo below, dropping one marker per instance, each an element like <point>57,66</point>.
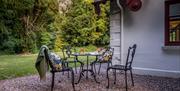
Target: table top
<point>87,54</point>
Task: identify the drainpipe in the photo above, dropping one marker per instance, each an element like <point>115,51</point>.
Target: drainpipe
<point>121,30</point>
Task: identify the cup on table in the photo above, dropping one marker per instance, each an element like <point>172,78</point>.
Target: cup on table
<point>82,50</point>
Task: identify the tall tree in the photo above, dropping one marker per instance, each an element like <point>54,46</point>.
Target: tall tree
<point>80,26</point>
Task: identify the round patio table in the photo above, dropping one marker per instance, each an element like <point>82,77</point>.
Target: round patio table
<point>87,65</point>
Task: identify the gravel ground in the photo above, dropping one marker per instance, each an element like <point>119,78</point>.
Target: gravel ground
<point>63,83</point>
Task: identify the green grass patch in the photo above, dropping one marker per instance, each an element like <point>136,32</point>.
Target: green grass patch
<point>12,66</point>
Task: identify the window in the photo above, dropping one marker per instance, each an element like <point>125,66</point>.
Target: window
<point>172,23</point>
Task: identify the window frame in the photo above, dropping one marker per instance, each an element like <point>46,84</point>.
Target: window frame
<point>167,5</point>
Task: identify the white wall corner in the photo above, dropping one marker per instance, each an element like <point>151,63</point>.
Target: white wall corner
<point>156,72</point>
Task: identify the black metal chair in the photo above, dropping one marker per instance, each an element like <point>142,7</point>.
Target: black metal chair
<point>106,57</point>
<point>126,67</point>
<point>54,70</point>
<point>67,51</point>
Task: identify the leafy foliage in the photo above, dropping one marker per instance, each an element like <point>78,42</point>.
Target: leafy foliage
<point>82,26</point>
<point>27,24</point>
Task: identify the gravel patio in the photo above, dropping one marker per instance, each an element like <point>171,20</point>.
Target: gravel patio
<point>63,83</point>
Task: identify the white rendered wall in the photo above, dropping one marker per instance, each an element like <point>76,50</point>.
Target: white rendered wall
<point>115,33</point>
<point>146,28</point>
<point>115,37</point>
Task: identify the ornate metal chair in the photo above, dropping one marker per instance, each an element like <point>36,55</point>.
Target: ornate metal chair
<point>67,50</point>
<point>126,67</point>
<point>106,57</point>
<point>57,67</point>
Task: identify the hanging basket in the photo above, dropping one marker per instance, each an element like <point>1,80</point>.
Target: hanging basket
<point>134,5</point>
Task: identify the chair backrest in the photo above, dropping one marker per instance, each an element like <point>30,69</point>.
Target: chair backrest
<point>107,55</point>
<point>54,62</point>
<point>111,50</point>
<point>66,50</point>
<point>130,56</point>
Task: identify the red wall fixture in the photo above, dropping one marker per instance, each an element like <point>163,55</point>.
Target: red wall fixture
<point>134,5</point>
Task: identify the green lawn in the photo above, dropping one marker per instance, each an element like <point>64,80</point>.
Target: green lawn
<point>12,66</point>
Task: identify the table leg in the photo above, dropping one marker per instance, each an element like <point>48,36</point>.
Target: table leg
<point>75,67</point>
<point>90,70</point>
<point>87,67</point>
<point>80,76</point>
<point>95,64</point>
<point>94,75</point>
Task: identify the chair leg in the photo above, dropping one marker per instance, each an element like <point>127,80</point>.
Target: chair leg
<point>94,67</point>
<point>72,76</point>
<point>80,76</point>
<point>68,71</point>
<point>107,77</point>
<point>126,79</point>
<point>99,68</point>
<point>81,67</point>
<point>132,78</point>
<point>52,84</point>
<point>94,75</point>
<point>108,65</point>
<point>65,64</point>
<point>63,73</point>
<point>76,67</point>
<point>114,76</point>
<point>94,64</point>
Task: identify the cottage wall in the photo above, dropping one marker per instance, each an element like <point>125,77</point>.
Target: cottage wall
<point>146,28</point>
